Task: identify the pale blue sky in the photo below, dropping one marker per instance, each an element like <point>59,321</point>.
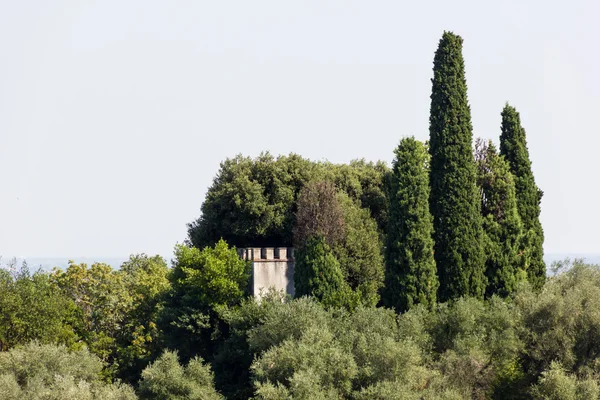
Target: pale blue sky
<point>114,115</point>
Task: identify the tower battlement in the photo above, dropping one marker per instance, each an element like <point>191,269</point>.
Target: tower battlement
<point>267,253</point>
<point>272,267</point>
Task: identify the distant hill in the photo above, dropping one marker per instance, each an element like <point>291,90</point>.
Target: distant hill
<point>47,264</point>
<point>588,258</point>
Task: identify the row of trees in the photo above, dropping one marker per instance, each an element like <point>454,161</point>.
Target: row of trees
<point>459,223</point>
<point>534,344</point>
<point>118,325</point>
<point>458,204</point>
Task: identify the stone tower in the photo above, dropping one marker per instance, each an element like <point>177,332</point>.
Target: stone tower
<point>271,267</point>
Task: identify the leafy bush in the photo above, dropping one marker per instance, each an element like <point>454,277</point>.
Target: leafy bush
<point>53,372</point>
<point>166,379</point>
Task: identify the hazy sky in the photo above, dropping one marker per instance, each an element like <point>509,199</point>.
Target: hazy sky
<point>114,115</point>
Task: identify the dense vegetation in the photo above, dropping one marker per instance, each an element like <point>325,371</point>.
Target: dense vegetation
<point>421,281</point>
<point>455,204</point>
<point>530,345</point>
<point>513,147</point>
<point>411,276</point>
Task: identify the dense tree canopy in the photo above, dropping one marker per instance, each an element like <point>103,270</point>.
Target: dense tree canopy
<point>318,273</point>
<point>513,146</point>
<point>203,281</point>
<point>32,308</point>
<point>51,372</point>
<point>461,237</point>
<point>411,275</point>
<point>116,311</point>
<point>505,262</point>
<point>166,379</point>
<point>454,197</point>
<point>252,202</point>
<point>349,232</point>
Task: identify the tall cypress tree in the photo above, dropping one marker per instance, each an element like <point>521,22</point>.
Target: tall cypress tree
<point>411,275</point>
<point>513,146</point>
<point>454,199</point>
<point>501,222</point>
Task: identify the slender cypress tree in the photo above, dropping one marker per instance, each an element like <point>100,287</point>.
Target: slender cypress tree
<point>513,146</point>
<point>411,275</point>
<point>501,221</point>
<point>454,199</point>
<point>317,272</point>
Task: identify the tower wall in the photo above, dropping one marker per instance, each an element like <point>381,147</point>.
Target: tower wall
<point>272,267</point>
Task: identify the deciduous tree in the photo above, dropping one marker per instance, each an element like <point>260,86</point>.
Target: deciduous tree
<point>203,281</point>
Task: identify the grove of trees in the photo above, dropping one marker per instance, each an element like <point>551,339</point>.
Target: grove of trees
<point>425,280</point>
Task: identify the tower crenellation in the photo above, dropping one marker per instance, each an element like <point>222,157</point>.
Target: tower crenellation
<point>272,267</point>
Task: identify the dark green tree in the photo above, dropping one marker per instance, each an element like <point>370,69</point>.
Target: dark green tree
<point>365,183</point>
<point>252,202</point>
<point>411,275</point>
<point>317,273</point>
<point>349,231</point>
<point>513,146</point>
<point>501,222</point>
<point>454,200</point>
<point>361,252</point>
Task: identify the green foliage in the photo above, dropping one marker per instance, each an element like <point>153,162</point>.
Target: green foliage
<point>234,357</point>
<point>146,280</point>
<point>213,276</point>
<point>286,320</point>
<point>52,372</point>
<point>353,237</point>
<point>479,346</point>
<point>252,202</point>
<point>411,275</point>
<point>117,310</point>
<point>203,281</point>
<point>394,390</point>
<point>317,273</point>
<point>166,379</point>
<point>454,201</point>
<point>316,356</point>
<point>562,324</point>
<point>102,302</point>
<point>360,253</point>
<point>505,262</point>
<point>372,336</point>
<point>366,183</point>
<point>513,146</point>
<point>469,349</point>
<point>32,308</point>
<point>531,345</point>
<point>556,384</point>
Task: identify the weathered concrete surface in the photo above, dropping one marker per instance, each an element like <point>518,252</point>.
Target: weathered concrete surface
<point>271,268</point>
<point>272,274</point>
